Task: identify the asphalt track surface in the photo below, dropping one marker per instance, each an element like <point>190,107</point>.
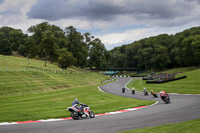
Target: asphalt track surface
<point>182,108</point>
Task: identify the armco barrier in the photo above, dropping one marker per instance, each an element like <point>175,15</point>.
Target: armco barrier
<point>105,81</point>
<point>164,81</point>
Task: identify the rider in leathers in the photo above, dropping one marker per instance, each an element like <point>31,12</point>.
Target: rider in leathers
<point>164,94</point>
<point>75,104</point>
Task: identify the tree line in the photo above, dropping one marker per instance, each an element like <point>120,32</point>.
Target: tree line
<point>160,52</point>
<point>69,47</point>
<point>50,43</point>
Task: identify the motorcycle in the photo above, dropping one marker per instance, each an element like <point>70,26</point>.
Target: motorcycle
<point>154,94</point>
<point>145,93</point>
<point>123,90</point>
<point>165,98</point>
<point>76,113</point>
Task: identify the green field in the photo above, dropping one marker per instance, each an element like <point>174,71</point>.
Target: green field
<point>182,127</point>
<point>189,85</point>
<point>18,63</point>
<point>34,94</point>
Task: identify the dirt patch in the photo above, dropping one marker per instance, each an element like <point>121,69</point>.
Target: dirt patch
<point>58,87</point>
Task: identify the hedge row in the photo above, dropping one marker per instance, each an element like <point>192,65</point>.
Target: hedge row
<point>164,81</point>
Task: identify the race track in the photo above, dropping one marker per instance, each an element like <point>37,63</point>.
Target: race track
<point>182,108</point>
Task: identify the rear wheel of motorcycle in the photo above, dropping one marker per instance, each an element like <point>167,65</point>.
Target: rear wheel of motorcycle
<point>91,114</point>
<point>155,95</point>
<point>74,115</point>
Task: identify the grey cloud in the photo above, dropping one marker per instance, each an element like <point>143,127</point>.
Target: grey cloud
<point>108,10</point>
<point>53,10</point>
<point>45,9</point>
<point>1,1</point>
<point>7,12</point>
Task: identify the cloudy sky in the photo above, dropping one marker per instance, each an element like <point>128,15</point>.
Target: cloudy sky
<point>115,22</point>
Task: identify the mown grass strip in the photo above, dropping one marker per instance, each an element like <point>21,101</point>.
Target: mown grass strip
<point>22,83</point>
<point>182,127</point>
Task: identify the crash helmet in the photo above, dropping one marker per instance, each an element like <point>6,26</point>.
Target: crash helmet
<point>151,90</point>
<point>144,88</point>
<point>76,99</point>
<point>162,92</point>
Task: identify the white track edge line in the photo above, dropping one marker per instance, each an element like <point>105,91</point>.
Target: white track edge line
<point>101,89</point>
<point>59,119</point>
<point>8,123</point>
<point>49,120</point>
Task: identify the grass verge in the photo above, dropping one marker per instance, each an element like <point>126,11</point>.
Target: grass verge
<point>182,127</point>
<point>189,85</point>
<point>54,104</point>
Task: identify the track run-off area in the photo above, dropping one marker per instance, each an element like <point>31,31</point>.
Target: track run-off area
<point>182,108</point>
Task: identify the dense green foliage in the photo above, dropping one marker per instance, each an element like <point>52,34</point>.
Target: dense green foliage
<point>159,52</point>
<point>10,40</point>
<point>47,41</point>
<point>182,127</point>
<point>153,53</point>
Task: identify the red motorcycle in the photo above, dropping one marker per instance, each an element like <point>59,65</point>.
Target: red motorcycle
<point>165,98</point>
<point>83,111</point>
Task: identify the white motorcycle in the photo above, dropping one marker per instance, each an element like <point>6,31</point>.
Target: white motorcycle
<point>77,113</point>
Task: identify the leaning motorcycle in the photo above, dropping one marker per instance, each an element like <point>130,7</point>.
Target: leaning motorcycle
<point>145,93</point>
<point>154,94</point>
<point>76,113</point>
<point>165,98</point>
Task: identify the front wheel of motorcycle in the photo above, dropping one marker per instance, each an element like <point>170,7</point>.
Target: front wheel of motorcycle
<point>74,115</point>
<point>91,114</point>
<point>166,101</point>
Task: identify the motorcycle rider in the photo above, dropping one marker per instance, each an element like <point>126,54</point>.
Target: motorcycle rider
<point>153,93</point>
<point>75,104</point>
<point>133,90</point>
<point>145,91</point>
<point>164,94</point>
<point>80,111</point>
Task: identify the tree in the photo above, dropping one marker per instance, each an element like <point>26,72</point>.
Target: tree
<point>14,36</point>
<point>97,54</point>
<point>30,47</point>
<point>191,50</point>
<point>147,57</point>
<point>162,57</point>
<point>76,46</point>
<point>47,38</point>
<point>47,46</point>
<point>5,47</point>
<point>38,32</point>
<point>65,58</point>
<point>196,49</point>
<point>22,50</point>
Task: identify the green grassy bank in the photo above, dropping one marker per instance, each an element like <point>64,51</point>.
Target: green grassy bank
<point>54,104</point>
<point>34,94</point>
<point>182,127</point>
<point>189,85</point>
